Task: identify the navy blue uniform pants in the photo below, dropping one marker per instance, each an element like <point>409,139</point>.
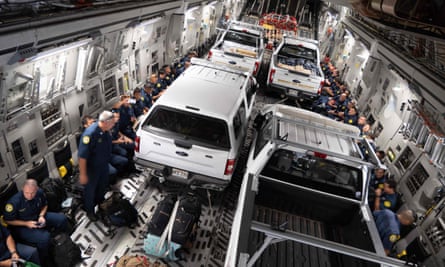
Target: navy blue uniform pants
<point>95,189</point>
<point>40,237</point>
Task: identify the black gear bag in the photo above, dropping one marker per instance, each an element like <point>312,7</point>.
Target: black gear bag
<point>118,211</point>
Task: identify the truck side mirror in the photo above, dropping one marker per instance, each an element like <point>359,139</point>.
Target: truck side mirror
<point>258,122</point>
<point>254,85</point>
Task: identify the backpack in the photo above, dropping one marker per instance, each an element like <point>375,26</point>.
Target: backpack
<point>64,251</point>
<point>118,211</point>
<point>161,215</point>
<point>55,193</point>
<point>186,221</point>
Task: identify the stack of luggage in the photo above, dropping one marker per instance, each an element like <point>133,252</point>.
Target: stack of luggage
<point>173,226</point>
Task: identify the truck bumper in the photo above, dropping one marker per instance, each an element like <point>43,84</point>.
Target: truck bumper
<point>194,180</point>
<point>292,93</point>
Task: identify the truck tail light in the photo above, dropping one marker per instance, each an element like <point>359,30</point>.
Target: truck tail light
<point>209,55</point>
<point>320,155</point>
<point>257,66</point>
<point>230,167</point>
<point>271,74</point>
<point>321,87</point>
<point>137,142</point>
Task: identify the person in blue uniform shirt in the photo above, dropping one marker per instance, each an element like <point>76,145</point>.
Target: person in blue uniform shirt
<point>161,83</point>
<point>183,66</point>
<point>12,251</point>
<point>350,116</point>
<point>378,178</point>
<point>28,219</point>
<point>388,225</point>
<point>138,105</point>
<point>341,103</point>
<point>386,198</point>
<point>122,149</point>
<point>157,87</point>
<point>87,120</point>
<point>147,96</point>
<point>94,156</point>
<point>169,75</point>
<point>127,117</point>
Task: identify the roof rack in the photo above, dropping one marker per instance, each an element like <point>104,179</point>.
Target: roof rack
<point>209,64</point>
<point>314,132</point>
<point>245,24</point>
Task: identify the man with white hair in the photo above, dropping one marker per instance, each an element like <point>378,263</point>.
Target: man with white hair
<point>94,155</point>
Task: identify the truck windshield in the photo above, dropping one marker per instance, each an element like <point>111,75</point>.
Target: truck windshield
<point>204,130</point>
<point>316,173</point>
<point>241,38</point>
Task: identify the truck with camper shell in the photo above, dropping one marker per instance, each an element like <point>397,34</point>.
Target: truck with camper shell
<point>194,132</point>
<point>294,70</point>
<point>240,46</point>
<point>303,199</point>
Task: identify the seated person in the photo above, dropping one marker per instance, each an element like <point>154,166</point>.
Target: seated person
<point>138,105</point>
<point>331,107</point>
<point>349,105</point>
<point>156,86</point>
<point>147,96</point>
<point>386,198</point>
<point>378,178</point>
<point>122,149</point>
<point>319,105</point>
<point>366,130</point>
<point>162,79</point>
<point>380,155</point>
<point>183,66</point>
<point>28,220</point>
<point>350,116</point>
<point>388,225</point>
<point>361,122</point>
<point>9,250</point>
<point>127,117</point>
<point>87,120</point>
<point>169,75</point>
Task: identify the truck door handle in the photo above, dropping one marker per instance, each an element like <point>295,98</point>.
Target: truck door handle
<point>183,144</point>
<point>232,62</point>
<point>182,153</point>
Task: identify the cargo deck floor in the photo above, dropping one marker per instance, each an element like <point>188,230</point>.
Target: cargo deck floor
<point>288,253</point>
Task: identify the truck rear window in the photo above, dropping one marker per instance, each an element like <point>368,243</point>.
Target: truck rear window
<point>241,38</point>
<point>296,51</point>
<point>293,56</point>
<point>203,130</point>
<point>313,172</point>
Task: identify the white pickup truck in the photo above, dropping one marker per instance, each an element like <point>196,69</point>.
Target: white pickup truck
<point>303,199</point>
<point>240,47</point>
<point>294,70</point>
<point>194,132</point>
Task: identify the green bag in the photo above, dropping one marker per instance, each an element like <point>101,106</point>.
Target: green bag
<point>23,263</point>
<point>30,264</point>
